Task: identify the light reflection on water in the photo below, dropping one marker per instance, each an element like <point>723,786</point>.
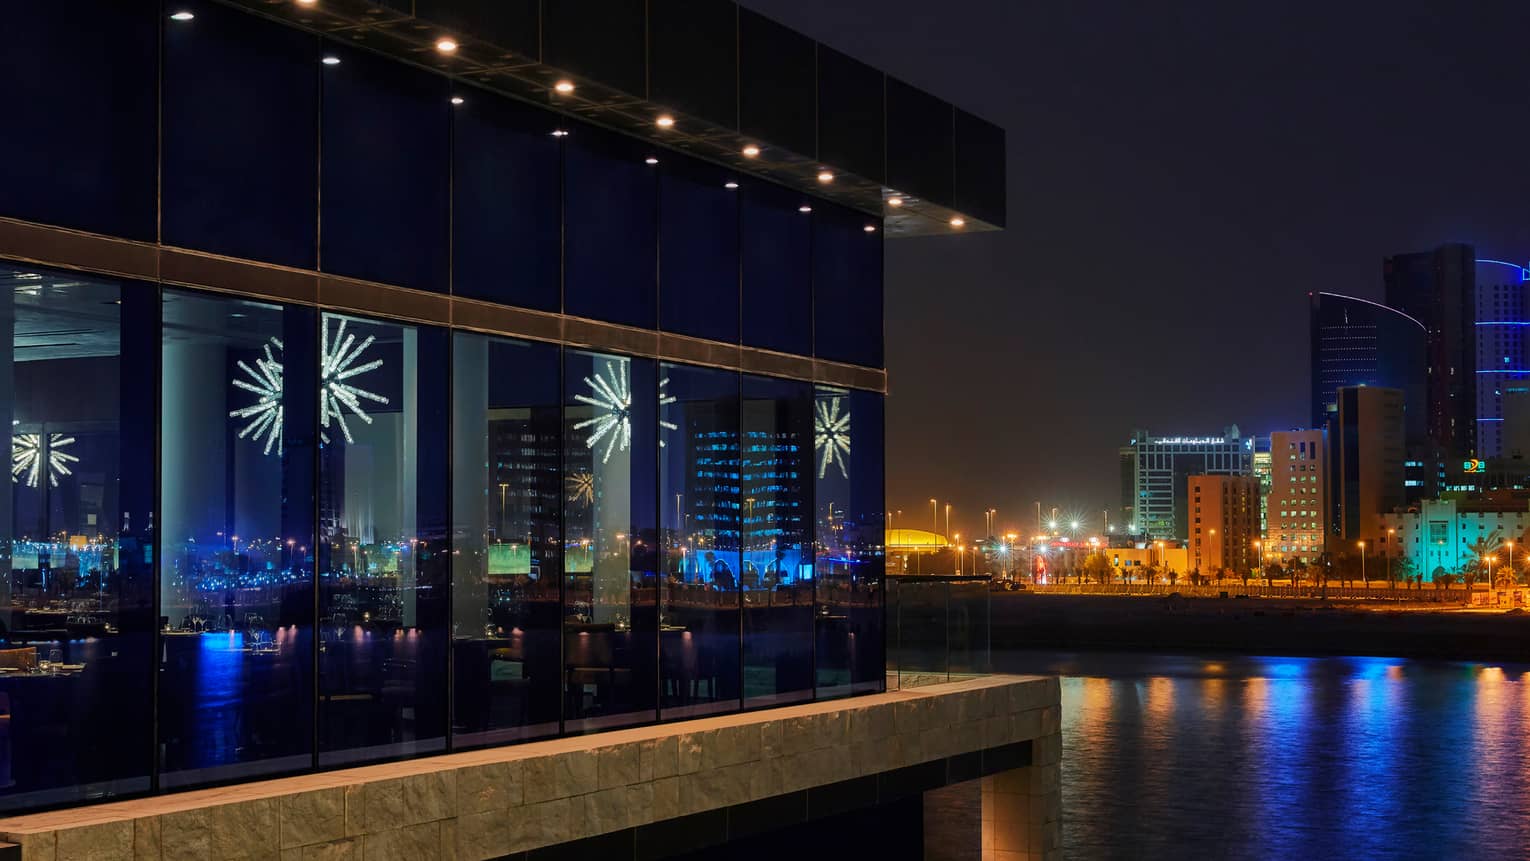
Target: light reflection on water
<point>1246,757</point>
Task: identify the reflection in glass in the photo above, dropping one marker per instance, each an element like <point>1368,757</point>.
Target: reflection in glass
<point>847,441</point>
<point>506,446</point>
<point>776,577</point>
<point>383,550</point>
<point>236,577</point>
<point>699,494</point>
<point>609,623</point>
<point>77,386</point>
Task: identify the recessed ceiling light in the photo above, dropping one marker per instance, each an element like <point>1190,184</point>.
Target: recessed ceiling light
<point>650,160</point>
<point>564,86</point>
<point>182,16</point>
<point>730,185</point>
<point>457,100</point>
<point>446,46</point>
<point>559,133</point>
<point>895,201</point>
<point>665,121</point>
<point>331,60</point>
<point>958,222</point>
<point>751,151</point>
<point>870,228</point>
<point>825,176</point>
<point>804,208</point>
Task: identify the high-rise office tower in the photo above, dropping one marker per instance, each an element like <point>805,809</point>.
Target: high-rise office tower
<point>1503,363</point>
<point>1357,342</point>
<point>1367,453</point>
<point>1438,288</point>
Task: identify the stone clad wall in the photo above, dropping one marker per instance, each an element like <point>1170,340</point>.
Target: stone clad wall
<point>489,803</point>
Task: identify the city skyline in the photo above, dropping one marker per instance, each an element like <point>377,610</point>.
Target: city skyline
<point>1298,166</point>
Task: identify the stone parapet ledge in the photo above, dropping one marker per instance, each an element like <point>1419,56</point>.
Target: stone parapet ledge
<point>499,801</point>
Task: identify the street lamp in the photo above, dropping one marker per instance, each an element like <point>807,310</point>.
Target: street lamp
<point>1488,558</point>
<point>1510,545</point>
<point>1391,545</point>
<point>1362,563</point>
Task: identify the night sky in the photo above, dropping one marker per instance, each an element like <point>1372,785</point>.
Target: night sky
<point>1181,175</point>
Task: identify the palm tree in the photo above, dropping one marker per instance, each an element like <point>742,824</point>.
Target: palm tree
<point>1479,551</point>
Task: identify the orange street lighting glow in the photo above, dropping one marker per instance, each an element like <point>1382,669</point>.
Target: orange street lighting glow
<point>446,46</point>
<point>825,176</point>
<point>958,222</point>
<point>751,151</point>
<point>666,121</point>
<point>564,86</point>
<point>894,201</point>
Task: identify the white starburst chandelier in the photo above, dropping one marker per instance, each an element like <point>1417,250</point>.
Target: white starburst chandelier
<point>29,454</point>
<point>831,436</point>
<point>338,364</point>
<point>264,417</point>
<point>339,355</point>
<point>611,396</point>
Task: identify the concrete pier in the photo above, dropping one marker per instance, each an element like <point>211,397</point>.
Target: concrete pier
<point>646,792</point>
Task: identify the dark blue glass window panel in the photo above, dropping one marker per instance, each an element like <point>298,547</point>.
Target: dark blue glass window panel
<point>384,551</point>
<point>849,501</point>
<point>699,592</point>
<point>777,244</point>
<point>507,493</point>
<point>506,202</point>
<point>776,469</point>
<point>847,286</point>
<point>386,160</point>
<point>610,535</point>
<point>236,575</point>
<point>610,233</point>
<point>81,416</point>
<point>79,81</point>
<point>698,250</point>
<point>241,125</point>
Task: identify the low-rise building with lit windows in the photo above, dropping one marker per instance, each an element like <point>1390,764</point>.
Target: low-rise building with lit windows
<point>1297,506</point>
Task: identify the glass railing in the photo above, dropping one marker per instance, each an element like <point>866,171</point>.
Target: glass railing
<point>938,629</point>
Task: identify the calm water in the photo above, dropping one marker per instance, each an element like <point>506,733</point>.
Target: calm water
<point>1246,757</point>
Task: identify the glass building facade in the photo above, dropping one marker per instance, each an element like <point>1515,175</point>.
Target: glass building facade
<point>256,531</point>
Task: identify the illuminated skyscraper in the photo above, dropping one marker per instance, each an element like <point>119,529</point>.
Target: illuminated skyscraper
<point>1438,289</point>
<point>1503,364</point>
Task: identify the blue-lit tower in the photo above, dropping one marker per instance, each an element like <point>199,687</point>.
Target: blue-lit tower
<point>1503,365</point>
